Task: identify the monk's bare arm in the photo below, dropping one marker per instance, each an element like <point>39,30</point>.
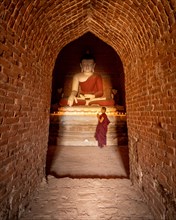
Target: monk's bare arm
<point>100,119</point>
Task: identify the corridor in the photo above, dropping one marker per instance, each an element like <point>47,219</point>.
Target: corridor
<point>41,46</point>
<point>80,197</point>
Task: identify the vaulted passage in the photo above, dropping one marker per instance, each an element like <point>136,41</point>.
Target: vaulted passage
<point>142,33</point>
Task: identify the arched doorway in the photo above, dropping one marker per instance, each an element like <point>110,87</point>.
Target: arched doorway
<point>108,65</point>
<point>66,124</point>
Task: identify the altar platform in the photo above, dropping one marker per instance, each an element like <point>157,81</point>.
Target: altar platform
<point>75,126</point>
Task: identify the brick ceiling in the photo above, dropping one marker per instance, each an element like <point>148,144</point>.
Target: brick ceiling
<point>130,26</point>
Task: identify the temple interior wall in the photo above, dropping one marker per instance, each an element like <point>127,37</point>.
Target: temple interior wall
<point>143,34</point>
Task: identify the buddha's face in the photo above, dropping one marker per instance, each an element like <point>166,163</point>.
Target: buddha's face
<point>87,66</point>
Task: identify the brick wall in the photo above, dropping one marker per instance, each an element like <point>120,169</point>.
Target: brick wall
<point>143,34</point>
<point>151,127</point>
<point>24,101</point>
<point>151,114</point>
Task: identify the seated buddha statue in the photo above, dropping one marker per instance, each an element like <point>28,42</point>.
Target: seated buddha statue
<point>87,87</point>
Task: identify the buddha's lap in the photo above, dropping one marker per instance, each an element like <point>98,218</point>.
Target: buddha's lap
<point>107,102</point>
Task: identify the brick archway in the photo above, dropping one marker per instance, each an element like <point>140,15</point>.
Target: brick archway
<point>108,64</point>
<point>142,33</point>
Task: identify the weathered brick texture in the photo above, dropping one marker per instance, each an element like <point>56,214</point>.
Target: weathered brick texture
<point>143,34</point>
<point>25,100</point>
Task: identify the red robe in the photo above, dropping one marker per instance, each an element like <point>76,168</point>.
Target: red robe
<point>101,130</point>
<point>93,85</point>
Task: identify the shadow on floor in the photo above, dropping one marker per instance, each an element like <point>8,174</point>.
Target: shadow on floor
<point>88,162</point>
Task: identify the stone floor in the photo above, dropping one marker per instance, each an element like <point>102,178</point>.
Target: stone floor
<point>88,161</point>
<point>87,193</point>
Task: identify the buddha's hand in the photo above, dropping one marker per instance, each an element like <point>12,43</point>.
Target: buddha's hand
<point>82,96</point>
<point>71,99</point>
<point>89,96</point>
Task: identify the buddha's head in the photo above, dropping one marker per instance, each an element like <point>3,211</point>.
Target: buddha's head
<point>87,63</point>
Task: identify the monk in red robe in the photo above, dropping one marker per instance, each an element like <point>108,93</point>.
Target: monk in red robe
<point>87,87</point>
<point>102,128</point>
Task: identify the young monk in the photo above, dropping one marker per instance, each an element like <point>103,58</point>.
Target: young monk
<point>102,127</point>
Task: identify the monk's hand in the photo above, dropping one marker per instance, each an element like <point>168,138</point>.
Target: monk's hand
<point>89,96</point>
